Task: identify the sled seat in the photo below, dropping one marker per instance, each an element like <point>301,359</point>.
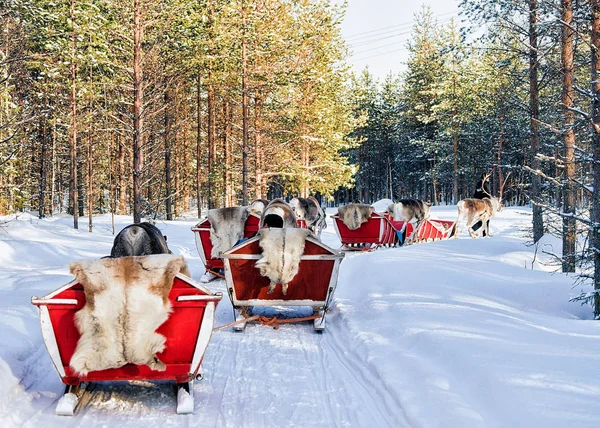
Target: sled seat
<point>435,230</point>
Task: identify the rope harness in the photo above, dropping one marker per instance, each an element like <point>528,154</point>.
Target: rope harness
<point>217,274</point>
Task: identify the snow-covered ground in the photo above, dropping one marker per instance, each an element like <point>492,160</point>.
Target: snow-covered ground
<point>459,333</point>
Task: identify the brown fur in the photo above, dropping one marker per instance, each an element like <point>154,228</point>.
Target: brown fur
<point>309,210</point>
<point>476,210</point>
<point>126,301</point>
<point>354,215</point>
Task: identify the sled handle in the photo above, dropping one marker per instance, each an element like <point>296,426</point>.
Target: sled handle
<point>200,297</point>
<point>37,301</point>
<point>306,257</point>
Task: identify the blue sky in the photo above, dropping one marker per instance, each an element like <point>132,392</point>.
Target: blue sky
<point>378,30</point>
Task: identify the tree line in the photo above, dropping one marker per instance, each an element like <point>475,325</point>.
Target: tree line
<point>154,108</point>
<point>157,108</point>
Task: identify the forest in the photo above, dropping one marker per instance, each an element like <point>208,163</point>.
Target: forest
<point>154,109</point>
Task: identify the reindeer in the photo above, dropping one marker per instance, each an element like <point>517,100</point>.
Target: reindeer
<point>309,210</point>
<point>408,210</point>
<point>478,210</point>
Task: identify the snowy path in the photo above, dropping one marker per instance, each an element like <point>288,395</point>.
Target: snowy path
<point>460,333</point>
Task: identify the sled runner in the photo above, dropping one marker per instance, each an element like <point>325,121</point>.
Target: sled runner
<point>377,231</point>
<point>204,245</point>
<point>312,286</point>
<point>187,330</point>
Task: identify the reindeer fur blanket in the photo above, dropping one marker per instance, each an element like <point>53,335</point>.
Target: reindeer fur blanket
<point>282,250</point>
<point>354,215</point>
<point>226,228</point>
<point>258,206</point>
<point>278,214</point>
<point>126,301</point>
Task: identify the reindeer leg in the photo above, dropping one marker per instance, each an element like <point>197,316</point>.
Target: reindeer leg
<point>456,227</point>
<point>486,228</point>
<point>413,235</point>
<point>409,238</point>
<point>470,222</point>
<point>417,229</point>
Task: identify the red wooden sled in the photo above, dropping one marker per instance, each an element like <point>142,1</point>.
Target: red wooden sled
<point>313,286</point>
<point>430,230</point>
<point>377,231</point>
<point>188,331</point>
<point>434,230</point>
<point>204,245</point>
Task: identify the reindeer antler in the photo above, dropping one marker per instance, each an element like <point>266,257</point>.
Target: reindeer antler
<point>483,180</point>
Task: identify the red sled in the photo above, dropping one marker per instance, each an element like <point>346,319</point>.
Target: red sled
<point>313,286</point>
<point>379,230</point>
<point>433,230</point>
<point>188,331</point>
<point>204,244</point>
<point>430,230</point>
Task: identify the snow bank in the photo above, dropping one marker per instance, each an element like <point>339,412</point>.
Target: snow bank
<point>381,205</point>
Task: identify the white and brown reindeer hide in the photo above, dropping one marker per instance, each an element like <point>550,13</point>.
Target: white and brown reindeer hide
<point>282,250</point>
<point>126,301</point>
<point>354,215</point>
<point>226,227</point>
<point>321,222</point>
<point>258,206</point>
<point>278,214</point>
